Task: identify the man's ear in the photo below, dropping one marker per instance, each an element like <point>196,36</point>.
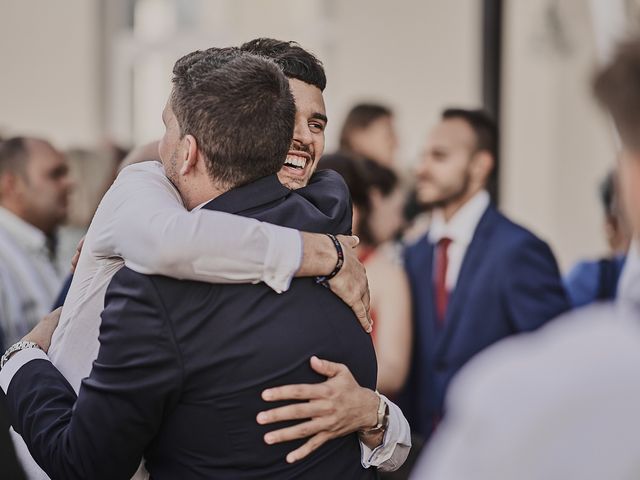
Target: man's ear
<point>483,164</point>
<point>8,183</point>
<point>191,154</point>
<point>376,197</point>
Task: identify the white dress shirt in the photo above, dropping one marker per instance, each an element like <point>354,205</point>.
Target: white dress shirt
<point>395,446</point>
<point>559,403</point>
<point>142,219</point>
<point>29,280</point>
<point>460,230</point>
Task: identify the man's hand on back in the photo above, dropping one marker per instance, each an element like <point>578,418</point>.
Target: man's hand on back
<point>331,409</point>
<point>350,284</point>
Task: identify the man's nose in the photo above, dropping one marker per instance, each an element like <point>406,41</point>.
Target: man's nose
<point>302,134</point>
<point>68,183</point>
<point>420,167</point>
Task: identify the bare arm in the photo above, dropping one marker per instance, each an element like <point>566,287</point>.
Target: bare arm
<point>392,304</point>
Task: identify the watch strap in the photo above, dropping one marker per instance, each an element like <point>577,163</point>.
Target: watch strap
<point>16,347</point>
<point>382,417</point>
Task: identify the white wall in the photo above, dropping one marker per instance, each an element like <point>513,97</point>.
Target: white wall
<point>49,83</point>
<point>415,56</point>
<point>418,56</point>
<point>556,144</point>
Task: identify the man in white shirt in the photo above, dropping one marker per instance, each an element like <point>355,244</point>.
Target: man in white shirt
<point>34,192</point>
<point>561,402</point>
<point>260,252</point>
<point>476,277</point>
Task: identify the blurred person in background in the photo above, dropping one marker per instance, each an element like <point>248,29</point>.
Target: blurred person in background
<point>377,219</point>
<point>368,131</point>
<point>562,402</point>
<point>34,195</point>
<point>593,281</point>
<point>97,167</point>
<point>476,277</point>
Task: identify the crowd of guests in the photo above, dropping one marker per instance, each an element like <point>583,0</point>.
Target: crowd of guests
<point>438,300</point>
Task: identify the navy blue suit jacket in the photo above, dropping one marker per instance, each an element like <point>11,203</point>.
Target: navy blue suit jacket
<point>182,365</point>
<point>508,283</point>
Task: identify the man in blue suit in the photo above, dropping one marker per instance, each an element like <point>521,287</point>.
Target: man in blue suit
<point>182,364</point>
<point>476,277</point>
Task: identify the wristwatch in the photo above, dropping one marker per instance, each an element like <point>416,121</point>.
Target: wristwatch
<point>16,347</point>
<point>383,417</point>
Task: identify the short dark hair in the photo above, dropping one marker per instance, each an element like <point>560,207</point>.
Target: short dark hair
<point>360,117</point>
<point>617,88</point>
<point>13,155</point>
<point>483,126</point>
<point>361,176</point>
<point>239,108</point>
<point>294,60</point>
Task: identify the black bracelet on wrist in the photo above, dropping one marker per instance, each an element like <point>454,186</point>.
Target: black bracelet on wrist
<point>324,279</point>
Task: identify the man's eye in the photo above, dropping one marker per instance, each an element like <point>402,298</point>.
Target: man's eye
<point>316,127</point>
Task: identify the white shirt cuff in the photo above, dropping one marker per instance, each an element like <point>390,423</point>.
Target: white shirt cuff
<point>395,446</point>
<point>16,362</point>
<point>284,256</point>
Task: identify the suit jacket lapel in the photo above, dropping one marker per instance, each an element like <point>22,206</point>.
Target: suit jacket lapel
<point>466,278</point>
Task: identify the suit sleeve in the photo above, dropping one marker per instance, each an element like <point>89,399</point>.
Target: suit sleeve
<point>533,290</point>
<point>136,378</point>
<point>329,193</point>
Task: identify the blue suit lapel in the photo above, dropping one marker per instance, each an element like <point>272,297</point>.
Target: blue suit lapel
<point>466,278</point>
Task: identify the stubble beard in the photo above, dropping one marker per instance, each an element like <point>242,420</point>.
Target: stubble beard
<point>452,196</point>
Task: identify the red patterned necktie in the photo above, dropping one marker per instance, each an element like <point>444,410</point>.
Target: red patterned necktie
<point>442,295</point>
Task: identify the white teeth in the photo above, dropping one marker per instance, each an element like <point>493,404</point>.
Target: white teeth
<point>296,161</point>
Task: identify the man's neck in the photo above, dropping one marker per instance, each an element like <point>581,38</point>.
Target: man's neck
<point>18,211</point>
<point>450,209</point>
<point>200,194</point>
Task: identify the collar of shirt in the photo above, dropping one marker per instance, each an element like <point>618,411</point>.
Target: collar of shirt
<point>30,237</point>
<point>199,207</point>
<point>460,230</point>
<point>462,225</point>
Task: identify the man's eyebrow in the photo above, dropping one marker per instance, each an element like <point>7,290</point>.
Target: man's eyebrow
<point>320,116</point>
